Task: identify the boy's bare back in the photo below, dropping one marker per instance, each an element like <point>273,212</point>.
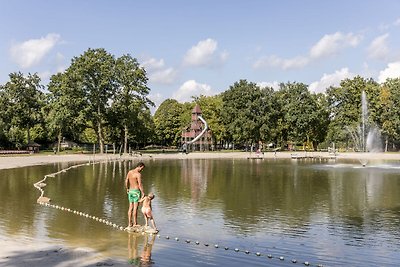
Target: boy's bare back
<point>134,179</point>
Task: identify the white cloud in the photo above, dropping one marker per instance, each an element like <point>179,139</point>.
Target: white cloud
<point>391,71</point>
<point>31,52</point>
<point>328,45</point>
<point>152,64</point>
<point>275,61</point>
<point>204,53</point>
<point>192,88</point>
<point>397,22</point>
<point>275,85</point>
<point>157,99</point>
<point>223,56</point>
<point>378,48</point>
<point>165,76</point>
<point>157,71</point>
<point>328,80</point>
<point>60,62</point>
<point>332,44</point>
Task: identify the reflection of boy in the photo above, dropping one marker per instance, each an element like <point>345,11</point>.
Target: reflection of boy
<point>147,211</point>
<point>134,259</point>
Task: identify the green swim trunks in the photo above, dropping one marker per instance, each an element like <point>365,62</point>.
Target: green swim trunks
<point>134,195</point>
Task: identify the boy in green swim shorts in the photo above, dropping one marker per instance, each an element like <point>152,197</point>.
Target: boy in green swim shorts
<point>134,189</point>
<point>134,195</point>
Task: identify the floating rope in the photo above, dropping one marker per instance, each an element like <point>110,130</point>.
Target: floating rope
<point>44,201</point>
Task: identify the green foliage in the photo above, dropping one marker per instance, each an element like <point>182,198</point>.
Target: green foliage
<point>130,103</point>
<point>65,109</point>
<point>93,73</point>
<point>22,101</point>
<point>344,103</point>
<point>102,93</point>
<point>304,115</point>
<point>389,110</point>
<point>247,112</point>
<point>168,122</point>
<point>103,99</point>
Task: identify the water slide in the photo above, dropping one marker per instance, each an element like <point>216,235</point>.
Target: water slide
<point>202,132</point>
<point>184,146</point>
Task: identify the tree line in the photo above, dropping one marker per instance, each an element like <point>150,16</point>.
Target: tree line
<point>101,99</point>
<point>247,114</point>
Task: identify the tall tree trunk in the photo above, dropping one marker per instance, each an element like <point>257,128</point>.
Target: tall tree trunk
<point>101,138</point>
<point>100,131</point>
<point>29,134</point>
<point>386,144</point>
<point>59,141</point>
<point>125,139</point>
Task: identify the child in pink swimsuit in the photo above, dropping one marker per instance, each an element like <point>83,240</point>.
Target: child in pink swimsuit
<point>146,209</point>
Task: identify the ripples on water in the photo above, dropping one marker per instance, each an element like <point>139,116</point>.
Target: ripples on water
<point>335,214</point>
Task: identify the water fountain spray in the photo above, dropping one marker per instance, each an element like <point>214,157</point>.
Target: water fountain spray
<point>366,137</point>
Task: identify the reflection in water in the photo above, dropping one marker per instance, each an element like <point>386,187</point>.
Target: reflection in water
<point>195,175</point>
<point>145,256</point>
<point>335,213</point>
<point>146,253</point>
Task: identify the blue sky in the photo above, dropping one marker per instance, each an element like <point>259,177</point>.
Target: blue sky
<point>202,47</point>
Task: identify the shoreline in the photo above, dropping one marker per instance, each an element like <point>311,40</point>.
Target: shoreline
<point>10,162</point>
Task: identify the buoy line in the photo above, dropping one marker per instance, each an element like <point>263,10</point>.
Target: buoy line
<point>40,184</point>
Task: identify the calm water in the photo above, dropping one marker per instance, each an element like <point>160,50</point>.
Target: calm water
<point>331,213</point>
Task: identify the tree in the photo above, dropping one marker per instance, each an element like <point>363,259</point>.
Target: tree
<point>389,111</point>
<point>65,109</point>
<point>94,74</point>
<point>345,106</point>
<point>319,118</point>
<point>24,100</point>
<point>168,122</point>
<point>300,113</point>
<point>245,112</point>
<point>130,97</point>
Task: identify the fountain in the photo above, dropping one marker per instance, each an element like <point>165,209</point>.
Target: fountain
<point>366,137</point>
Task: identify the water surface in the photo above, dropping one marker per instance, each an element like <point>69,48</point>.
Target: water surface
<point>329,213</point>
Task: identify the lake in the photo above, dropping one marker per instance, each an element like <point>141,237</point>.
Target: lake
<point>217,212</point>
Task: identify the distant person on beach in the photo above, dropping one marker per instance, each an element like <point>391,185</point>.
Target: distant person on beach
<point>134,189</point>
<point>147,210</point>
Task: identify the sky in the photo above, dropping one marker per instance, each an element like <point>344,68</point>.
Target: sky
<point>192,48</point>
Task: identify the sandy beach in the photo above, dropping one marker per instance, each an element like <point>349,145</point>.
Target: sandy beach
<point>20,251</point>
